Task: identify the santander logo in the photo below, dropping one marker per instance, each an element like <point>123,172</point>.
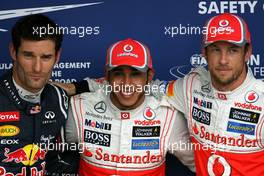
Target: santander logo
<point>208,136</point>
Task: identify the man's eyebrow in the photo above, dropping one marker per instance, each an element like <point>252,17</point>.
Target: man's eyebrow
<point>117,69</point>
<point>27,52</point>
<point>46,55</point>
<point>235,46</point>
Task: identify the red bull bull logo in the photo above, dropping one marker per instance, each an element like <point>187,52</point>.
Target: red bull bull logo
<point>27,155</point>
<point>33,171</point>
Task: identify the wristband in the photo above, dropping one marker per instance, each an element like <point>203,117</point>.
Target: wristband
<point>81,86</point>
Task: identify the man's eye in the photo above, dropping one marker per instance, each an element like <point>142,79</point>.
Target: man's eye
<point>27,55</point>
<point>215,49</point>
<point>117,73</point>
<point>46,57</point>
<point>136,74</point>
<point>233,50</point>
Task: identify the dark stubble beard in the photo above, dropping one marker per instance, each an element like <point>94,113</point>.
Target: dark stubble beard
<point>225,82</point>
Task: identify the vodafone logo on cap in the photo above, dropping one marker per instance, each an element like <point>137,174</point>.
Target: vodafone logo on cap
<point>224,28</point>
<point>223,23</point>
<point>128,48</point>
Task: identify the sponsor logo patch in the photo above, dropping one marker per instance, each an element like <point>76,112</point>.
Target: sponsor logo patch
<point>145,144</point>
<point>98,125</point>
<point>49,118</point>
<point>98,138</point>
<point>9,141</point>
<point>251,97</point>
<point>221,96</point>
<point>9,130</point>
<point>125,115</point>
<point>206,88</point>
<point>243,115</point>
<point>201,116</point>
<point>149,114</point>
<point>10,116</point>
<point>139,131</point>
<point>247,106</point>
<point>28,155</point>
<point>202,103</point>
<point>241,128</point>
<point>230,140</point>
<point>124,158</point>
<point>100,107</point>
<point>147,122</point>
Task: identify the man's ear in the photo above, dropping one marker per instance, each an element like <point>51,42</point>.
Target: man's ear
<point>57,56</point>
<point>107,74</point>
<point>150,75</point>
<point>204,54</point>
<point>248,51</point>
<point>12,51</point>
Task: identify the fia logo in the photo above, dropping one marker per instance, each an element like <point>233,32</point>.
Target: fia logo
<point>197,60</point>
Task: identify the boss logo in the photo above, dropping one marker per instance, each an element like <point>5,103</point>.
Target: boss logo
<point>201,116</point>
<point>98,138</point>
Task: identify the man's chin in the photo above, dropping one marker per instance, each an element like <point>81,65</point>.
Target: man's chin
<point>36,87</point>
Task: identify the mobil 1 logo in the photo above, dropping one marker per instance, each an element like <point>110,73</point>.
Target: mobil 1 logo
<point>94,137</point>
<point>201,116</point>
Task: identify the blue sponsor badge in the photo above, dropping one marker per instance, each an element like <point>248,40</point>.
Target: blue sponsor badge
<point>241,128</point>
<point>145,144</point>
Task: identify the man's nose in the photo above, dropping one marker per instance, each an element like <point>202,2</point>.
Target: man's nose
<point>37,65</point>
<point>223,58</point>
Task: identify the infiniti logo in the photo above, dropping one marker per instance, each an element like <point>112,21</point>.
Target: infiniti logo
<point>100,107</point>
<point>49,115</point>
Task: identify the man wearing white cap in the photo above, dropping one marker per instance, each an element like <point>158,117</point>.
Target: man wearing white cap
<point>123,130</point>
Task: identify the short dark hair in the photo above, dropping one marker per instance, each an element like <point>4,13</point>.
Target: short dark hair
<point>25,29</point>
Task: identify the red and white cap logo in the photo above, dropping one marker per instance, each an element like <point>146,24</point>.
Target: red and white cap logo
<point>129,52</point>
<point>128,48</point>
<point>227,27</point>
<point>251,96</point>
<point>149,114</point>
